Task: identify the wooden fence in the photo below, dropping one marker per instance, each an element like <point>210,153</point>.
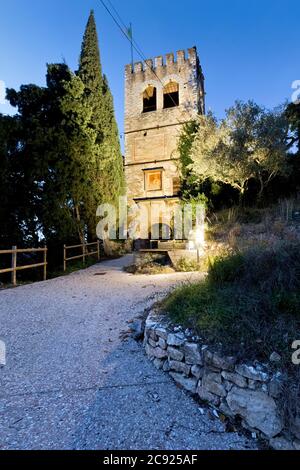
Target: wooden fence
<point>85,253</point>
<point>14,262</point>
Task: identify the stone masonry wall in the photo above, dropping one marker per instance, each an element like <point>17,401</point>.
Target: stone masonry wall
<point>247,391</point>
<point>151,138</point>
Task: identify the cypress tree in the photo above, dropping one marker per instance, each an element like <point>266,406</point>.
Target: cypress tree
<point>90,72</point>
<point>108,176</point>
<point>113,157</point>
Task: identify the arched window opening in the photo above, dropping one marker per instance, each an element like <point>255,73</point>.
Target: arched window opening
<point>171,95</point>
<point>149,99</point>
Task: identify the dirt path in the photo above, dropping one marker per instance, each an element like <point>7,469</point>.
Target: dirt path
<point>71,382</point>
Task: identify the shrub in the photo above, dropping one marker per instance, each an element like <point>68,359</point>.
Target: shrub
<point>248,302</point>
<point>151,264</point>
<point>225,268</point>
<point>187,265</point>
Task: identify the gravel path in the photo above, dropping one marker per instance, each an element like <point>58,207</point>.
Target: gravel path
<point>71,382</point>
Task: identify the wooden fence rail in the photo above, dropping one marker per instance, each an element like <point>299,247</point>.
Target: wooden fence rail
<point>14,262</point>
<point>85,253</point>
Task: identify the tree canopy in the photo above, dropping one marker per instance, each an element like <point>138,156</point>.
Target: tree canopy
<point>293,116</point>
<point>249,143</point>
<point>60,154</point>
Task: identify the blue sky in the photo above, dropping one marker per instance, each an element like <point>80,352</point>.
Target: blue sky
<point>248,48</point>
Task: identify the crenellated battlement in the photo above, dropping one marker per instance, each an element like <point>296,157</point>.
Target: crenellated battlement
<point>181,69</point>
<point>164,62</point>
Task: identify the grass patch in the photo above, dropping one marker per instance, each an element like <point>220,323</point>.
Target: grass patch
<point>249,302</point>
<point>187,265</point>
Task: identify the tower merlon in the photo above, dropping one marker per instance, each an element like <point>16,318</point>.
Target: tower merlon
<point>138,67</point>
<point>192,54</point>
<point>168,60</point>
<point>180,57</point>
<point>158,61</point>
<point>148,64</point>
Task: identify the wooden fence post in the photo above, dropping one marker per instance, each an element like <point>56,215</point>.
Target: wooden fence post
<point>83,253</point>
<point>14,265</point>
<point>98,249</point>
<point>65,255</point>
<point>45,263</point>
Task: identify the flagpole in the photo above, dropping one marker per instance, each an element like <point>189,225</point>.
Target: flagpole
<point>131,43</point>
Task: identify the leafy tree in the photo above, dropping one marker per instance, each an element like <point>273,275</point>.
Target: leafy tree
<point>70,150</point>
<point>193,187</point>
<point>10,188</point>
<point>60,154</point>
<point>56,151</point>
<point>293,116</point>
<point>187,137</point>
<point>250,143</point>
<point>108,176</point>
<point>25,163</point>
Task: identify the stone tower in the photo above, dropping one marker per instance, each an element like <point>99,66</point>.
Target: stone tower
<point>159,98</point>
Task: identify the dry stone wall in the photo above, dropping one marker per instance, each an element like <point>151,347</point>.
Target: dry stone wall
<point>248,391</point>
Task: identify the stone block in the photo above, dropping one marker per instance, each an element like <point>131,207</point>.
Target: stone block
<point>228,385</point>
<point>175,353</point>
<point>175,339</point>
<point>219,362</point>
<point>162,343</point>
<point>155,352</point>
<point>257,408</point>
<point>152,334</point>
<point>224,408</point>
<point>212,382</point>
<point>180,367</point>
<point>250,372</point>
<point>235,378</point>
<point>192,353</point>
<point>205,395</point>
<point>161,332</point>
<point>189,384</point>
<point>152,342</point>
<point>275,386</point>
<point>197,371</point>
<point>281,443</point>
